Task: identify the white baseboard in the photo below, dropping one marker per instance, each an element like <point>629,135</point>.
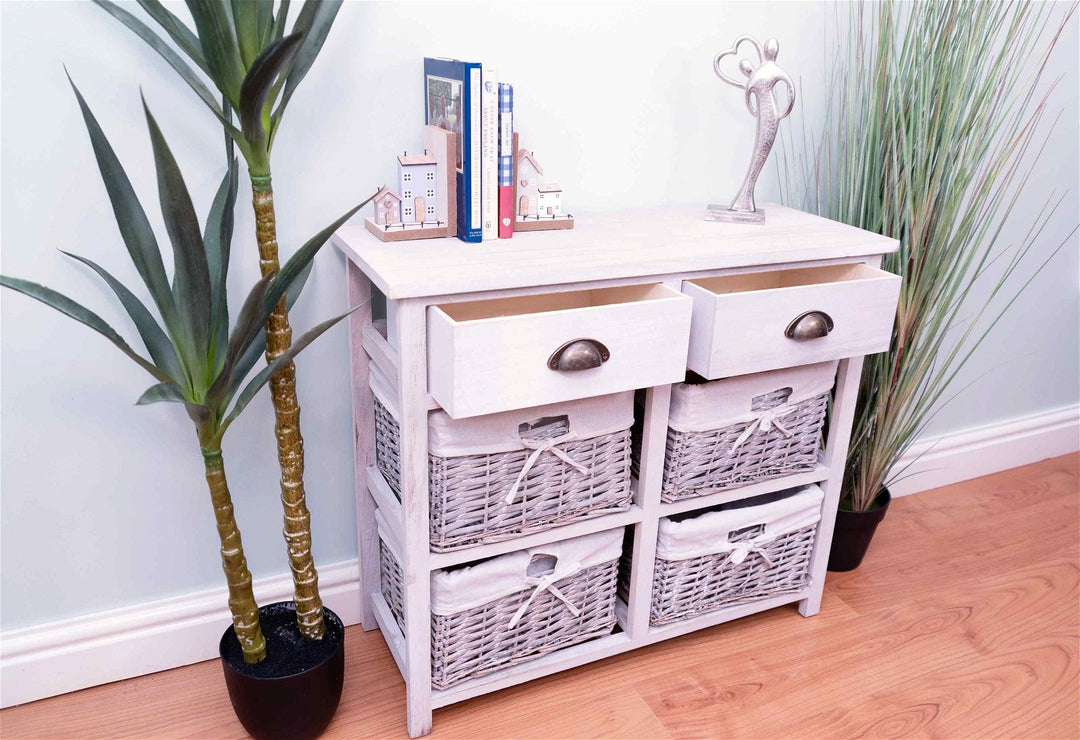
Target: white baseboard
<point>58,657</point>
<point>55,658</point>
<point>972,453</point>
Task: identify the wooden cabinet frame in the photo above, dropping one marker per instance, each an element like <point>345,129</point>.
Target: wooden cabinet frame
<point>398,350</point>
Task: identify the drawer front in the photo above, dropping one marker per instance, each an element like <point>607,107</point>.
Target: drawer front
<point>489,356</point>
<point>741,322</point>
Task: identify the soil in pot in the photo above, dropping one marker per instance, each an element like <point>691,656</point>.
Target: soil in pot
<point>295,690</point>
<point>853,533</point>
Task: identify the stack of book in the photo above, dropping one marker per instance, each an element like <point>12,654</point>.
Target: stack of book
<point>470,101</point>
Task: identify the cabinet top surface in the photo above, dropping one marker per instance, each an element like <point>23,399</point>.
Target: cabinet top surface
<point>602,246</point>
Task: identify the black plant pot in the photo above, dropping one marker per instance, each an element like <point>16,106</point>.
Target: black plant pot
<point>294,691</point>
<point>853,532</point>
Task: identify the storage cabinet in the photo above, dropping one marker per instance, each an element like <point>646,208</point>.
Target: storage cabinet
<point>477,337</point>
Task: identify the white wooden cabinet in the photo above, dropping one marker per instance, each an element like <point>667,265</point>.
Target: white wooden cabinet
<point>470,328</point>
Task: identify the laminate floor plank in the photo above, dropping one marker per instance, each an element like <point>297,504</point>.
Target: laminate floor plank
<point>963,621</point>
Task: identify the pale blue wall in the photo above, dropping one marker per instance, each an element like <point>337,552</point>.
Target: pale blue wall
<point>103,504</point>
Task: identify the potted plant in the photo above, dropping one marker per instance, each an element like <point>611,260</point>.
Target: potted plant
<point>279,683</point>
<point>933,112</point>
<point>242,48</point>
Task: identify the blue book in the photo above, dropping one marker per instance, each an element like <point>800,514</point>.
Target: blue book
<point>452,102</point>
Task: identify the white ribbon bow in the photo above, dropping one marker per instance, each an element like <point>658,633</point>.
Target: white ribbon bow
<point>539,447</point>
<point>547,583</point>
<point>764,421</point>
<point>743,549</point>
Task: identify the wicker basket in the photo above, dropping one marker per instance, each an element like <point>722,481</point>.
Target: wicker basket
<point>733,432</point>
<point>496,477</point>
<point>745,551</point>
<point>515,607</point>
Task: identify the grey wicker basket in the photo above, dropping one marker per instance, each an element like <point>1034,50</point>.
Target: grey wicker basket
<point>686,588</point>
<point>477,641</point>
<point>467,492</point>
<point>699,463</point>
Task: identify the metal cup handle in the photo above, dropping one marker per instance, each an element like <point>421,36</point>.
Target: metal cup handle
<point>579,354</point>
<point>809,325</point>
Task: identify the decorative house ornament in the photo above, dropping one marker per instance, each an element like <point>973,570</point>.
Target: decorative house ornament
<point>538,203</point>
<point>760,98</point>
<point>425,204</point>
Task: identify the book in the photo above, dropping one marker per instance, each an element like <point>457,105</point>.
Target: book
<point>489,155</point>
<point>452,98</point>
<point>506,161</point>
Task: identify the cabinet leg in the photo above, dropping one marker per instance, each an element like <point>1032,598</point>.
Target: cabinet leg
<point>419,721</point>
<point>409,317</point>
<point>836,448</point>
<point>358,290</point>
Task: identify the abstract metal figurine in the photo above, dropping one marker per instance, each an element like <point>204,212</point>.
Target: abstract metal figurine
<point>761,102</point>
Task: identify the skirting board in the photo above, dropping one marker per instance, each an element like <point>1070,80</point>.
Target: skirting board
<point>58,657</point>
<point>972,453</point>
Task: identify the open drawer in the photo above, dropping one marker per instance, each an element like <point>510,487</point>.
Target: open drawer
<point>508,353</point>
<point>766,320</point>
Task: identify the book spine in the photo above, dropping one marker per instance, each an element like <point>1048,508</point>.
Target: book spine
<point>506,161</point>
<point>473,133</point>
<point>490,155</point>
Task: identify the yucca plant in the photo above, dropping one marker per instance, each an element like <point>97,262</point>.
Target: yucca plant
<point>241,47</point>
<point>192,354</point>
<point>930,126</point>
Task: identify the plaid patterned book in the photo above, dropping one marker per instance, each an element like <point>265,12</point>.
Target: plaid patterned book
<point>506,160</point>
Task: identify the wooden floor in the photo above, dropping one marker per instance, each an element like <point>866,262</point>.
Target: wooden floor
<point>963,621</point>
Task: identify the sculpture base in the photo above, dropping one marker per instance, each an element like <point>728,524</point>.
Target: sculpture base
<point>726,215</point>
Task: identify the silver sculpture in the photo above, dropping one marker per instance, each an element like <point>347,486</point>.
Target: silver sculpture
<point>762,104</point>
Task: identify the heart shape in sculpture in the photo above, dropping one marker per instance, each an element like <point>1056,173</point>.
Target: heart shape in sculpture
<point>733,52</point>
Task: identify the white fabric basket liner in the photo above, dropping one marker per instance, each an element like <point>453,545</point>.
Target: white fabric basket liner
<point>709,533</point>
<point>493,433</point>
<point>720,403</point>
<point>459,590</point>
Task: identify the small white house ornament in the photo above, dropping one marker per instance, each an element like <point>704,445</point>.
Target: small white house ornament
<point>758,86</point>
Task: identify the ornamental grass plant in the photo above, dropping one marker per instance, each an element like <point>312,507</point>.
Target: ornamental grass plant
<point>932,127</point>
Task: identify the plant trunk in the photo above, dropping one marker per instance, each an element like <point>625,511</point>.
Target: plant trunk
<point>245,612</point>
<point>290,444</point>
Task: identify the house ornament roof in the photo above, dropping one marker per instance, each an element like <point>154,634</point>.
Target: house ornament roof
<point>525,154</point>
<point>383,192</point>
<point>407,160</point>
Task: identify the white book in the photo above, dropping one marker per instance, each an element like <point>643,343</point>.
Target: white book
<point>489,155</point>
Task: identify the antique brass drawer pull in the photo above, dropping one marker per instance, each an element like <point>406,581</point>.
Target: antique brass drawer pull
<point>579,354</point>
<point>809,325</point>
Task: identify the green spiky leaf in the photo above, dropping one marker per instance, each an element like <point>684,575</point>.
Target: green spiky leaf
<point>154,338</point>
<point>178,32</point>
<point>161,393</point>
<point>192,273</point>
<point>263,377</point>
<point>135,229</point>
<point>274,61</point>
<point>314,22</point>
<point>303,256</point>
<point>84,316</point>
<point>213,24</point>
